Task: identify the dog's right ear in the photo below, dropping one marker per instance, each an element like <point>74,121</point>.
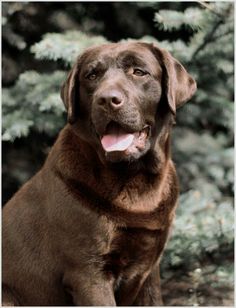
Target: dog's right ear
<point>69,91</point>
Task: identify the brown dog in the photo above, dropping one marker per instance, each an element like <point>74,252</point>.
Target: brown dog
<point>90,227</point>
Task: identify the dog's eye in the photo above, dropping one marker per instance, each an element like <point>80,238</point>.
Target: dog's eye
<point>91,76</point>
<point>139,72</point>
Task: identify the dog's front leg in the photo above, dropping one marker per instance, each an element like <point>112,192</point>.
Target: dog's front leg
<point>150,293</point>
<point>89,289</point>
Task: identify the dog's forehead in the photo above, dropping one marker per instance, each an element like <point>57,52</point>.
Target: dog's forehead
<point>116,51</point>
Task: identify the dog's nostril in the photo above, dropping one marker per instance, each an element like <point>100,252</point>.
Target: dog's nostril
<point>101,101</point>
<point>113,99</point>
<point>116,101</point>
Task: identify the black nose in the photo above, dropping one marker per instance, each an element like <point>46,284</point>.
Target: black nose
<point>112,98</point>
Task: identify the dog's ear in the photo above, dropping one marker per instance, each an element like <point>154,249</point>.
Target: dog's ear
<point>69,91</point>
<point>178,85</point>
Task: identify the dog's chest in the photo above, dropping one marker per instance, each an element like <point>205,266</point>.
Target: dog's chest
<point>132,252</point>
<point>140,194</point>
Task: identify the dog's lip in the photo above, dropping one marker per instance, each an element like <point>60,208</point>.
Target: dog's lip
<point>113,125</point>
<point>119,139</point>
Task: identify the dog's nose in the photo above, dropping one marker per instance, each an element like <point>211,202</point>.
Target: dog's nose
<point>112,98</point>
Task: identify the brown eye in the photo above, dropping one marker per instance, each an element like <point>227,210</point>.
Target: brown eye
<point>139,72</point>
<point>91,76</point>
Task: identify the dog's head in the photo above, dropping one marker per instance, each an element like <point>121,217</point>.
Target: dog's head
<point>117,95</point>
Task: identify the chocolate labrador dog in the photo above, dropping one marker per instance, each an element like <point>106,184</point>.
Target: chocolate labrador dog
<point>90,227</point>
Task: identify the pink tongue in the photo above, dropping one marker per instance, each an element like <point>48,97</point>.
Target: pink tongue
<point>116,142</point>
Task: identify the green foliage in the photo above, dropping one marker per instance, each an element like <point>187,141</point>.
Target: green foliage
<point>194,236</point>
<point>169,19</point>
<point>33,103</point>
<point>204,161</point>
<point>13,39</point>
<point>66,46</point>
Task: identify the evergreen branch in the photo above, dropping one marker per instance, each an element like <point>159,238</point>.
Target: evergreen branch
<point>208,38</point>
<point>215,38</point>
<point>207,6</point>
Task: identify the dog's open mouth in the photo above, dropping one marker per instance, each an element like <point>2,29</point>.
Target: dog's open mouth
<point>117,139</point>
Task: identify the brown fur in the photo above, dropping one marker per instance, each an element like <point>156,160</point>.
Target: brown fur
<point>89,229</point>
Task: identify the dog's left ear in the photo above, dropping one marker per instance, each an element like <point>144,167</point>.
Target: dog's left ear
<point>179,85</point>
<point>69,91</point>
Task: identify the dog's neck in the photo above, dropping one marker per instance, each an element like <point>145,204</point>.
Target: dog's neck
<point>72,152</point>
<point>111,187</point>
